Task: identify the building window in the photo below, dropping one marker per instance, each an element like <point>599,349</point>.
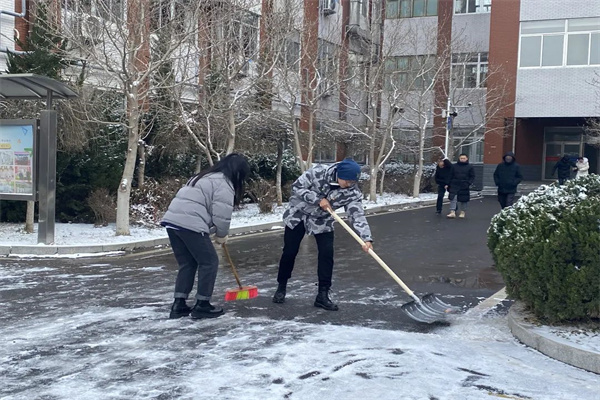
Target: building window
<point>326,67</point>
<point>469,70</point>
<point>290,55</point>
<point>557,43</point>
<point>410,8</point>
<point>469,143</point>
<point>472,6</point>
<point>325,149</point>
<point>413,73</point>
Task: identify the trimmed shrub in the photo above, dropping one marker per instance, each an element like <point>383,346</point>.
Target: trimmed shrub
<point>103,205</point>
<point>149,204</point>
<point>263,193</point>
<point>547,248</point>
<point>399,178</point>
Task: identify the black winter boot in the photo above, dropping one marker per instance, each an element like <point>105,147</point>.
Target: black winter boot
<point>324,301</point>
<point>179,309</point>
<point>203,309</point>
<point>279,296</point>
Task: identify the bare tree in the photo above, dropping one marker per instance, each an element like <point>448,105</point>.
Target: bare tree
<point>592,130</point>
<point>113,39</point>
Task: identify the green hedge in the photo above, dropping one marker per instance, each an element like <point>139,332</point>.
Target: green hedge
<point>547,248</point>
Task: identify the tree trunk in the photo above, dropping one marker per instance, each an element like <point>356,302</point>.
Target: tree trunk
<point>141,172</point>
<point>381,182</point>
<point>29,217</point>
<point>309,153</point>
<point>373,164</point>
<point>278,172</point>
<point>297,147</point>
<point>124,190</point>
<point>231,139</point>
<point>419,172</point>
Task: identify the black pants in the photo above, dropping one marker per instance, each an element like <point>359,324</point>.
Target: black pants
<point>440,198</point>
<point>506,199</point>
<point>194,253</point>
<point>291,244</point>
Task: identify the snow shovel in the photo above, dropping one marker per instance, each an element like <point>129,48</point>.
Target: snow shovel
<point>427,309</point>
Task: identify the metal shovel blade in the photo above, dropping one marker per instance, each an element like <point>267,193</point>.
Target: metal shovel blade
<point>434,303</point>
<point>429,309</point>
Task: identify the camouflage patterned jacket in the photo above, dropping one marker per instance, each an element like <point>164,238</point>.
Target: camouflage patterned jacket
<point>315,184</point>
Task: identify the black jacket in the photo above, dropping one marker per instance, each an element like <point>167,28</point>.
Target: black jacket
<point>443,175</point>
<point>508,175</point>
<point>463,176</point>
<point>564,168</point>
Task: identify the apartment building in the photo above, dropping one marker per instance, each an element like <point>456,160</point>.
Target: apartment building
<point>552,50</point>
<point>488,76</point>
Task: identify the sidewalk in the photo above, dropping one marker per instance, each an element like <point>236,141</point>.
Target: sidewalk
<point>40,250</point>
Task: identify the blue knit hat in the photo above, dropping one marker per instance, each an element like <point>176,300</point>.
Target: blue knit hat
<point>348,170</point>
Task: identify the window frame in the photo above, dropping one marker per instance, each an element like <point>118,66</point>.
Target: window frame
<point>566,33</point>
<point>475,144</point>
<point>409,72</point>
<point>398,9</point>
<point>478,4</point>
<point>482,69</point>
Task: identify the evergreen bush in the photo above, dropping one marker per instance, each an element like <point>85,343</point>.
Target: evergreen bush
<point>547,248</point>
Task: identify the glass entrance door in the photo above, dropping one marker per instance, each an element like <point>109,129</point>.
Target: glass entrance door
<point>554,152</point>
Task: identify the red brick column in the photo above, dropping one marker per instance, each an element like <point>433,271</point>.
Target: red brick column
<point>22,25</point>
<point>310,46</point>
<point>442,85</point>
<point>504,44</point>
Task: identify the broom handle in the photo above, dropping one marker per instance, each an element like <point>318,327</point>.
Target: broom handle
<point>237,278</point>
<point>374,255</point>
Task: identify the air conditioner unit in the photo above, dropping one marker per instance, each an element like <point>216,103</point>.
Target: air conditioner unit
<point>328,7</point>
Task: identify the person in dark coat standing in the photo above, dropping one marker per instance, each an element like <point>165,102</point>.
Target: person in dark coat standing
<point>507,176</point>
<point>201,208</point>
<point>564,167</point>
<point>443,173</point>
<point>463,176</point>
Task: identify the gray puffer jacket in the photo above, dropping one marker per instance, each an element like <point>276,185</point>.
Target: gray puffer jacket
<point>315,184</point>
<point>205,207</point>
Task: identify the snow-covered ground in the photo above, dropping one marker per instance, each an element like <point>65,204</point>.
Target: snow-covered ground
<point>129,350</point>
<point>87,331</point>
<point>81,234</point>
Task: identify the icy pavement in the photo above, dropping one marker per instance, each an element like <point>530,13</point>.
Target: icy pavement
<point>96,331</point>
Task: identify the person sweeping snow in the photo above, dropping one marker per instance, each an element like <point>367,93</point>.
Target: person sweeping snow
<point>202,207</point>
<point>313,193</point>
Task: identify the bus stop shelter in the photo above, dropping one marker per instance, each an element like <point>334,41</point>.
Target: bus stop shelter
<point>37,87</point>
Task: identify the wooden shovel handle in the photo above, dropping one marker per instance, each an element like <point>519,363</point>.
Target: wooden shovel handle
<point>237,278</point>
<point>374,255</point>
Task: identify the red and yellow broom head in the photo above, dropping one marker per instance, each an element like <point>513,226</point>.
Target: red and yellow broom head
<point>241,293</point>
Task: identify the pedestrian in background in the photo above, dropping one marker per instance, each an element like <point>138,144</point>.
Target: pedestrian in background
<point>582,166</point>
<point>507,177</point>
<point>443,173</point>
<point>563,166</point>
<point>313,193</point>
<point>463,176</point>
<point>200,208</point>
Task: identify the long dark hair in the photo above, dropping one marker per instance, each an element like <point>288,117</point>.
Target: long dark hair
<point>235,167</point>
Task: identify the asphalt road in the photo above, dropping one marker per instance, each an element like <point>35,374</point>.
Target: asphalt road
<point>429,252</point>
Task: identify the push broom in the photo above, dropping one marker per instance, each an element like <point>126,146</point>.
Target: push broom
<point>427,309</point>
<point>242,292</point>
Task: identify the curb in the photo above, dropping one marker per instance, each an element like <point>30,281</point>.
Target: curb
<point>527,334</point>
<point>66,250</point>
